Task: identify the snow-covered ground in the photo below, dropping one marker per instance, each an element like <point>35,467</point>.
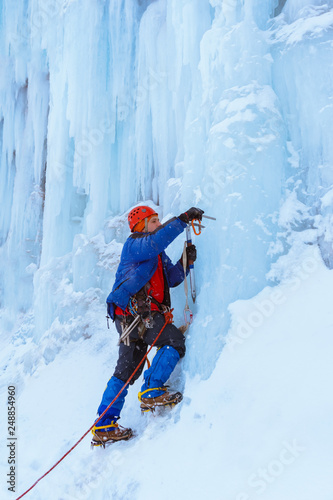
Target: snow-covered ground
<point>258,427</point>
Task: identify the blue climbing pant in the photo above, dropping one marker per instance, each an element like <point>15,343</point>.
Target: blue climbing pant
<point>113,387</point>
<point>161,368</point>
<point>172,348</point>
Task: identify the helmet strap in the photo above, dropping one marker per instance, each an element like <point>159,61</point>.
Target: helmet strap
<point>146,225</point>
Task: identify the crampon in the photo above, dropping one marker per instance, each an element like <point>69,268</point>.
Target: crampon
<point>166,400</point>
<point>111,433</point>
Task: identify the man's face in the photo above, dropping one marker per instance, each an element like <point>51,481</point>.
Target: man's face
<point>153,224</point>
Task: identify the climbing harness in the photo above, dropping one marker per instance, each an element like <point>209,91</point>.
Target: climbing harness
<point>142,323</point>
<point>139,307</point>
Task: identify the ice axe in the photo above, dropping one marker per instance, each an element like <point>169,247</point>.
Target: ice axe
<point>191,264</point>
<point>194,223</point>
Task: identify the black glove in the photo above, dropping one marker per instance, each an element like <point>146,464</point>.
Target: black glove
<point>190,214</point>
<point>191,254</point>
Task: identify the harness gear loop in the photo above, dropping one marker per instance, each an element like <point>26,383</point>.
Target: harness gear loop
<point>125,334</point>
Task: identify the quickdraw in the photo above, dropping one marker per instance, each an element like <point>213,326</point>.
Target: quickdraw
<point>188,315</point>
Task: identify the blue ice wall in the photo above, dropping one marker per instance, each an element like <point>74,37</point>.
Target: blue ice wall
<point>224,104</point>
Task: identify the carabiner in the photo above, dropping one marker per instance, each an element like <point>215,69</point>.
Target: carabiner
<point>193,227</point>
<point>188,315</point>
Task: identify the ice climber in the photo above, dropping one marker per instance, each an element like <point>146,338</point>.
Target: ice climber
<point>142,283</point>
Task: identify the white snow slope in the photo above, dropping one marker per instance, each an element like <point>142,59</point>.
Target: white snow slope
<point>223,104</point>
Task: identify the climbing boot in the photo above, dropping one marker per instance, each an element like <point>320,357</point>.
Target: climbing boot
<point>163,400</point>
<point>109,433</point>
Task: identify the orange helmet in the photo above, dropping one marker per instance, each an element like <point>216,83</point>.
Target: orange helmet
<point>138,214</point>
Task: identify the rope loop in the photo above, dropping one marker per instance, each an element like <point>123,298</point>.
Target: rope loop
<point>168,316</point>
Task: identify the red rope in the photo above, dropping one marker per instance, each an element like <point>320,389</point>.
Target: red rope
<point>168,319</point>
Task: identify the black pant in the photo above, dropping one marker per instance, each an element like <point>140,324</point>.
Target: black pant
<point>130,356</point>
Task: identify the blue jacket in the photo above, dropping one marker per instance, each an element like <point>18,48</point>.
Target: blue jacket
<point>138,263</point>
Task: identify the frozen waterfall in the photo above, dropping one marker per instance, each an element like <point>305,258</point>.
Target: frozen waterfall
<point>224,104</point>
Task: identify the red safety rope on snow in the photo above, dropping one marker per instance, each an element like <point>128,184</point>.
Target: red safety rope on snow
<point>168,319</point>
